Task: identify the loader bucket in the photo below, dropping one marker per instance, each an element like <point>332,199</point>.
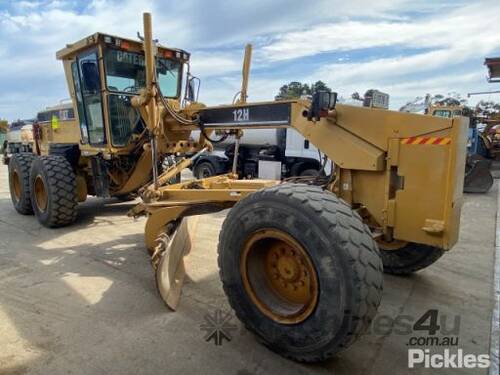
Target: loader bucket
<point>478,178</point>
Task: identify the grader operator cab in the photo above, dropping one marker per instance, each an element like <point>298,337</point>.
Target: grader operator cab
<point>103,92</point>
<point>100,150</point>
<point>300,263</point>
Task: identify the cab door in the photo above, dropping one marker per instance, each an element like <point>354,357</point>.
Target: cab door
<point>87,81</point>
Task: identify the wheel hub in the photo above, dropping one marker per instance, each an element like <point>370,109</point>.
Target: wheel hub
<point>205,172</point>
<point>287,265</point>
<point>16,185</point>
<point>279,276</point>
<point>41,197</point>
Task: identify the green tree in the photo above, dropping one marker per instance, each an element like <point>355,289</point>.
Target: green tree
<point>3,126</point>
<point>420,104</point>
<point>295,90</point>
<point>320,86</point>
<point>487,108</point>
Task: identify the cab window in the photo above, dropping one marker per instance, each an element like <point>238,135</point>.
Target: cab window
<point>79,103</point>
<point>125,77</point>
<point>88,95</point>
<point>126,72</point>
<point>442,113</point>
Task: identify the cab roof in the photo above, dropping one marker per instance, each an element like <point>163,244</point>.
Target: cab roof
<point>124,43</point>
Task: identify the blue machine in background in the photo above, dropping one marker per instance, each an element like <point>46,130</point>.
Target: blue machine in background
<point>478,178</point>
<point>473,141</point>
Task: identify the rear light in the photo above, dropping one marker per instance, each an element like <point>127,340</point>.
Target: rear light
<point>168,54</point>
<point>125,45</point>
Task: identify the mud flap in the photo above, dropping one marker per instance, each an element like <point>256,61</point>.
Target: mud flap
<point>170,271</point>
<point>478,178</point>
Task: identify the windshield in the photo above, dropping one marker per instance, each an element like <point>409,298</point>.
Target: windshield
<point>126,72</point>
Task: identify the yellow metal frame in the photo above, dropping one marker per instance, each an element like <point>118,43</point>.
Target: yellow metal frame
<point>410,192</point>
<point>193,198</point>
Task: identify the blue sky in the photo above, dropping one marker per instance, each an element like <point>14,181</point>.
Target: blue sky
<point>406,48</point>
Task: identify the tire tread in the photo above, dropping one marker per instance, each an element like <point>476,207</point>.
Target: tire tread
<point>24,160</point>
<point>362,251</point>
<point>62,191</point>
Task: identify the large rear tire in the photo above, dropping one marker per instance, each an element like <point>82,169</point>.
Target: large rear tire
<point>301,270</point>
<point>19,182</point>
<point>53,191</point>
<point>410,258</point>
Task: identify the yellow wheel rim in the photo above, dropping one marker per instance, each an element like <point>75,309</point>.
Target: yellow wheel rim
<point>16,185</point>
<point>279,276</point>
<point>41,198</point>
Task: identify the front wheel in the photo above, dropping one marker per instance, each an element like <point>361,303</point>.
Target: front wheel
<point>53,191</point>
<point>301,270</point>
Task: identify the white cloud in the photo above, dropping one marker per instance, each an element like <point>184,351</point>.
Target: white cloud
<point>478,23</point>
<point>445,37</point>
<point>222,90</point>
<point>21,5</point>
<point>208,64</point>
<point>445,46</point>
<point>391,69</point>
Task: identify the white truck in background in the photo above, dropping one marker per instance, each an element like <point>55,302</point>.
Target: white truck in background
<point>263,153</point>
<point>19,138</point>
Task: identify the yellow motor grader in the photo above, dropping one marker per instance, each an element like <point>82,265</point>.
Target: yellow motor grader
<point>301,262</point>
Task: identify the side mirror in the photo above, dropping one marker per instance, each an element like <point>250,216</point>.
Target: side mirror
<point>322,102</point>
<point>90,77</point>
<point>192,91</point>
